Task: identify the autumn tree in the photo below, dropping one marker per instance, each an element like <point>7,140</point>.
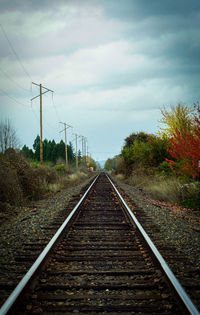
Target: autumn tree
<point>185,149</point>
<point>179,118</point>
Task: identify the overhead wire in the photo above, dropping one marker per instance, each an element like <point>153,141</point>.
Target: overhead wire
<point>14,52</point>
<point>17,84</point>
<point>11,79</point>
<point>55,108</point>
<point>12,98</point>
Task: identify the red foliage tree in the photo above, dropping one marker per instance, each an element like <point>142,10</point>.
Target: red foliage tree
<point>185,150</point>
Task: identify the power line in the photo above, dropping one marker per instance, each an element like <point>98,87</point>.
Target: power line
<point>55,107</point>
<point>12,98</point>
<point>14,52</point>
<point>11,79</point>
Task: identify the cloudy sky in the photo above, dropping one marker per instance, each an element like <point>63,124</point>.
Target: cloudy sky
<point>112,65</point>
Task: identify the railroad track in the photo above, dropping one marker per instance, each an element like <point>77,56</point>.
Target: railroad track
<point>100,264</point>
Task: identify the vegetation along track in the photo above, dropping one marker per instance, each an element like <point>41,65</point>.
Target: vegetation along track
<point>101,265</point>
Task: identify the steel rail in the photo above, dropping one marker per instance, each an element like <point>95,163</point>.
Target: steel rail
<point>24,281</point>
<point>191,308</point>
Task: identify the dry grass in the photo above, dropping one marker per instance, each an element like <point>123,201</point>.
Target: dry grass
<point>67,181</point>
<point>120,176</point>
<point>169,189</point>
<point>20,181</point>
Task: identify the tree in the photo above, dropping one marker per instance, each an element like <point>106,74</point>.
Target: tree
<point>27,153</point>
<point>142,151</point>
<point>139,136</point>
<point>8,137</point>
<point>70,153</point>
<point>36,147</point>
<point>178,118</point>
<point>61,150</point>
<point>185,150</point>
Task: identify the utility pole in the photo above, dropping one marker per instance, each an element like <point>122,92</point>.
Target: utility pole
<point>40,95</point>
<point>87,153</point>
<point>65,129</point>
<point>76,138</point>
<point>85,139</point>
<point>82,148</point>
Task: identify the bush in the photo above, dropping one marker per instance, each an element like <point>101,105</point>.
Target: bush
<point>46,173</point>
<point>10,189</point>
<point>164,169</point>
<point>60,169</point>
<point>20,180</point>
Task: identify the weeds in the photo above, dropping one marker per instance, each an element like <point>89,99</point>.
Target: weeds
<point>21,181</point>
<point>166,188</point>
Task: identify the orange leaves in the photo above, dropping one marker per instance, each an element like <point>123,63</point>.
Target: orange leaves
<point>185,149</point>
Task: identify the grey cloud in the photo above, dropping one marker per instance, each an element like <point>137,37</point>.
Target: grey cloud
<point>140,9</point>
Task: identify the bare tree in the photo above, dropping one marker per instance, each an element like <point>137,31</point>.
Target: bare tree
<point>8,137</point>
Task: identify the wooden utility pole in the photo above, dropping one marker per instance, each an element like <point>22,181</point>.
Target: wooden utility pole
<point>41,144</point>
<point>40,95</point>
<point>76,150</point>
<point>86,148</point>
<point>82,148</point>
<point>85,145</point>
<point>65,129</point>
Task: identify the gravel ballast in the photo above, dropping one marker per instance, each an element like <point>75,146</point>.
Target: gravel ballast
<point>27,224</point>
<point>179,227</point>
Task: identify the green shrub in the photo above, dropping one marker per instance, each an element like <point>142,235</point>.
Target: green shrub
<point>60,169</point>
<point>164,169</point>
<point>34,164</point>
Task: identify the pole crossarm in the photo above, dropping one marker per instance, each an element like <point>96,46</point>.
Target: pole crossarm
<point>68,126</point>
<point>43,87</point>
<point>39,95</point>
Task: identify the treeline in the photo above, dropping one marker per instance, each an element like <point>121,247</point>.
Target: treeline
<point>175,150</point>
<point>165,165</point>
<point>52,151</point>
<point>141,151</point>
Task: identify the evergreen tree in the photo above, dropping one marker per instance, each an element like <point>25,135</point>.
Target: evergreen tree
<point>45,146</point>
<point>27,153</point>
<point>70,153</point>
<point>60,150</point>
<point>36,147</point>
<point>79,156</point>
<point>51,150</point>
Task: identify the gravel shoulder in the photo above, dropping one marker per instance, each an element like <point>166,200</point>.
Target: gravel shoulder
<point>28,223</point>
<point>181,227</point>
